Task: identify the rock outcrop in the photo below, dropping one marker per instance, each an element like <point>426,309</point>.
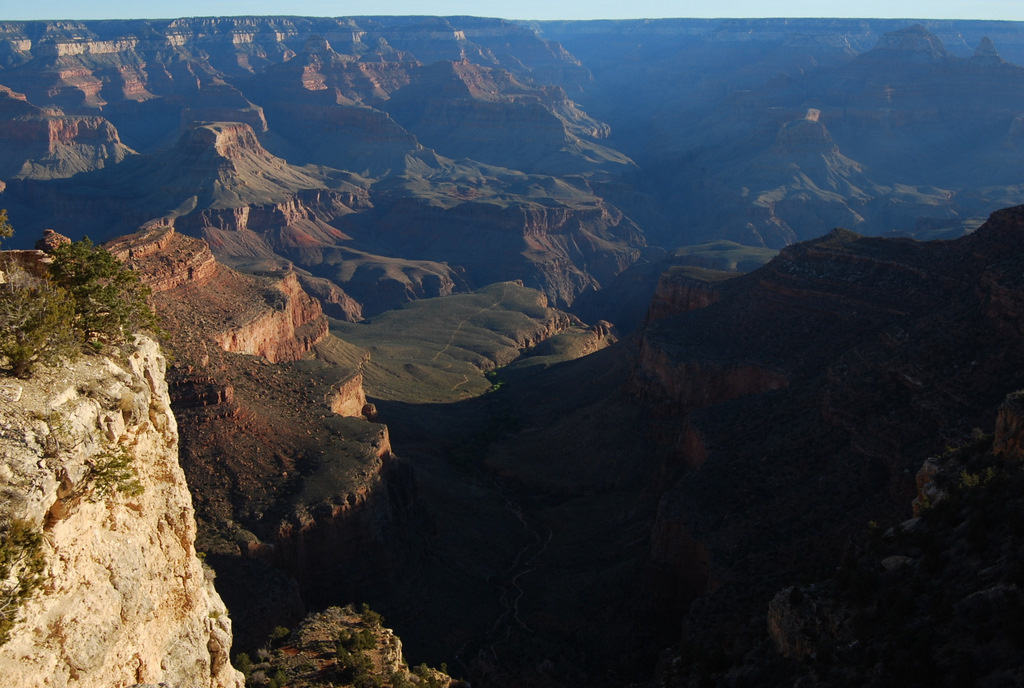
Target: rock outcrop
<point>43,143</point>
<point>269,316</point>
<point>172,260</point>
<point>329,531</point>
<point>217,107</point>
<point>1009,439</point>
<point>124,600</point>
<point>299,499</point>
<point>310,656</point>
<point>877,353</point>
<point>284,332</point>
<point>681,290</point>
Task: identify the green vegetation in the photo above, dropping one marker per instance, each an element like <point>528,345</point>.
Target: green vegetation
<point>697,273</point>
<point>88,297</point>
<point>244,664</point>
<point>109,299</point>
<point>726,255</point>
<point>35,324</point>
<point>278,634</point>
<point>374,619</point>
<point>21,570</point>
<point>336,648</point>
<point>6,230</point>
<point>111,472</point>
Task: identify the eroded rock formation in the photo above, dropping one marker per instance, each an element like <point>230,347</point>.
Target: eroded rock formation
<point>125,599</point>
<point>271,316</point>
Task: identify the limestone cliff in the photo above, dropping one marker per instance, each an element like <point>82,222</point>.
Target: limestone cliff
<point>124,598</point>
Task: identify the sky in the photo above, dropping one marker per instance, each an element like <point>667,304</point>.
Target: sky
<point>516,9</point>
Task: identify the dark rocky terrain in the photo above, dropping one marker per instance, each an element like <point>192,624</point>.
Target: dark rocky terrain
<point>482,323</point>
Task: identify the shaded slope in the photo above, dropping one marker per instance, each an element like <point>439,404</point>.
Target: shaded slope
<point>815,386</point>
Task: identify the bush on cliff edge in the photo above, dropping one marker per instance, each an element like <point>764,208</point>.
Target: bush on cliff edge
<point>88,297</point>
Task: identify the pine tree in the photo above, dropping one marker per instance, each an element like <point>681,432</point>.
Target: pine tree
<point>110,301</point>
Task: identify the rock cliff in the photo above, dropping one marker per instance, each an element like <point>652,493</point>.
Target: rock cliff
<point>270,316</point>
<point>124,598</point>
<point>285,332</point>
<point>46,144</point>
<point>950,573</point>
<point>262,135</point>
<point>174,261</point>
<point>299,498</point>
<point>876,353</point>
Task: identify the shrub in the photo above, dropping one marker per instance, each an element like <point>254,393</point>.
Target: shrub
<point>21,570</point>
<point>374,619</point>
<point>112,471</point>
<point>279,679</point>
<point>110,301</point>
<point>35,325</point>
<point>279,633</point>
<point>6,231</point>
<point>89,297</point>
<point>243,663</point>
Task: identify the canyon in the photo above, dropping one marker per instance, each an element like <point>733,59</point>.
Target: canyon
<point>572,348</point>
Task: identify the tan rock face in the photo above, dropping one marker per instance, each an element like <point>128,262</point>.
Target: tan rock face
<point>168,259</point>
<point>349,397</point>
<point>282,333</point>
<point>125,600</point>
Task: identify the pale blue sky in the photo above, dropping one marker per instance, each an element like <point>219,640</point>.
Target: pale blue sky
<point>517,9</point>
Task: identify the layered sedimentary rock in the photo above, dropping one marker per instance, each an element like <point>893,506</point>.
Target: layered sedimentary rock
<point>326,532</point>
<point>348,397</point>
<point>716,148</point>
<point>46,144</point>
<point>561,249</point>
<point>299,498</point>
<point>456,108</point>
<point>172,260</point>
<point>683,290</point>
<point>285,332</point>
<point>262,135</point>
<point>272,317</point>
<point>124,600</point>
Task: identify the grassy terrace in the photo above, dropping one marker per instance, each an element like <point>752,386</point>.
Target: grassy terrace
<point>438,350</point>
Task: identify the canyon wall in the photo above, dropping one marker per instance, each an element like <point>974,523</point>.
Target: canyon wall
<point>282,333</point>
<point>270,316</point>
<point>123,599</point>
